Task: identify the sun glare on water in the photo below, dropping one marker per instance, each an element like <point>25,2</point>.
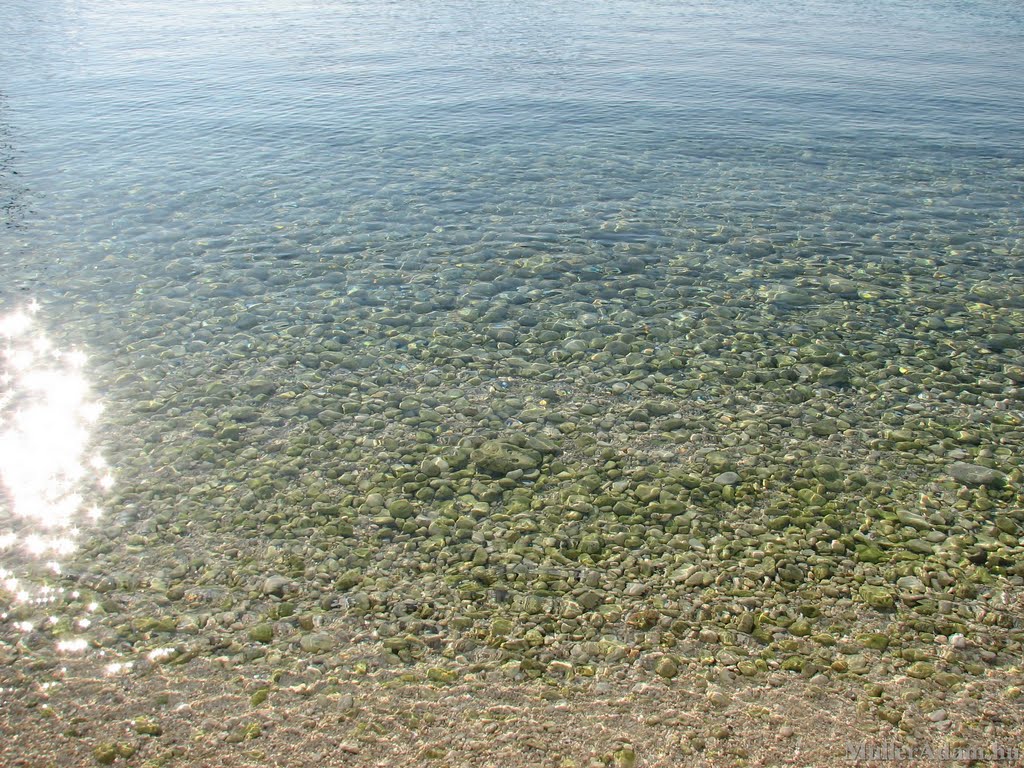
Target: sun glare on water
<point>48,474</point>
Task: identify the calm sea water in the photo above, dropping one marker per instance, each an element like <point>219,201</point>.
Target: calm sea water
<point>202,192</point>
<point>135,133</point>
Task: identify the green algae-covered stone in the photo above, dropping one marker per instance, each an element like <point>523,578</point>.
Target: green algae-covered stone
<point>879,598</point>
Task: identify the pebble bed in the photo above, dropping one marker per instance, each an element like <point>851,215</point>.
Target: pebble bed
<point>555,470</point>
<point>596,379</point>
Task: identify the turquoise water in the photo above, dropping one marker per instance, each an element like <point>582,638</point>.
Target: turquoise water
<point>308,245</point>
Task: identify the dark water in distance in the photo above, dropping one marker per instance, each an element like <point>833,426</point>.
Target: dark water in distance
<point>136,122</point>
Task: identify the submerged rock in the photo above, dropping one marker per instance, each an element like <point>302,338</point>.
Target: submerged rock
<point>317,642</point>
<point>974,474</point>
<point>276,585</point>
<point>500,458</point>
<point>878,598</point>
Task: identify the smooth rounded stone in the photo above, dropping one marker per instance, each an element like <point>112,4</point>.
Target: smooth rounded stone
<point>708,636</point>
<point>500,458</point>
<point>560,669</point>
<point>501,627</point>
<point>106,753</point>
<point>858,664</point>
<point>800,628</point>
<point>624,757</point>
<point>667,667</point>
<point>147,726</point>
<point>920,546</point>
<point>441,675</point>
<point>727,478</point>
<point>746,621</point>
<point>671,425</point>
<point>717,461</point>
<point>349,579</point>
<point>795,663</point>
<point>718,699</point>
<point>317,642</point>
<point>357,602</point>
<point>261,633</point>
<point>842,287</point>
<point>591,545</point>
<point>921,670</point>
<point>276,585</point>
<point>791,298</point>
<point>1000,342</point>
<point>401,509</point>
<point>746,668</point>
<point>876,641</point>
<point>868,553</point>
<point>533,606</point>
<point>434,466</point>
<point>241,413</point>
<point>260,387</point>
<point>727,658</point>
<point>912,519</point>
<point>879,598</point>
<point>973,474</point>
<point>699,578</point>
<point>915,654</point>
<point>647,493</point>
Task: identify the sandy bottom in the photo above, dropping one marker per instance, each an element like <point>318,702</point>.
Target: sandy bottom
<point>204,714</point>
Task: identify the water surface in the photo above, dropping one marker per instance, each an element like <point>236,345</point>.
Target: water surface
<point>309,244</point>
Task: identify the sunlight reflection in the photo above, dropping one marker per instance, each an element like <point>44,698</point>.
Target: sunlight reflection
<point>119,667</point>
<point>74,645</point>
<point>48,474</point>
<point>159,654</point>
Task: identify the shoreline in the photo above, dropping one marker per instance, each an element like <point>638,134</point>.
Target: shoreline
<point>203,713</point>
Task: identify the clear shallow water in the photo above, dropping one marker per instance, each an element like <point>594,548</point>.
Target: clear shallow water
<point>298,131</point>
<point>445,195</point>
